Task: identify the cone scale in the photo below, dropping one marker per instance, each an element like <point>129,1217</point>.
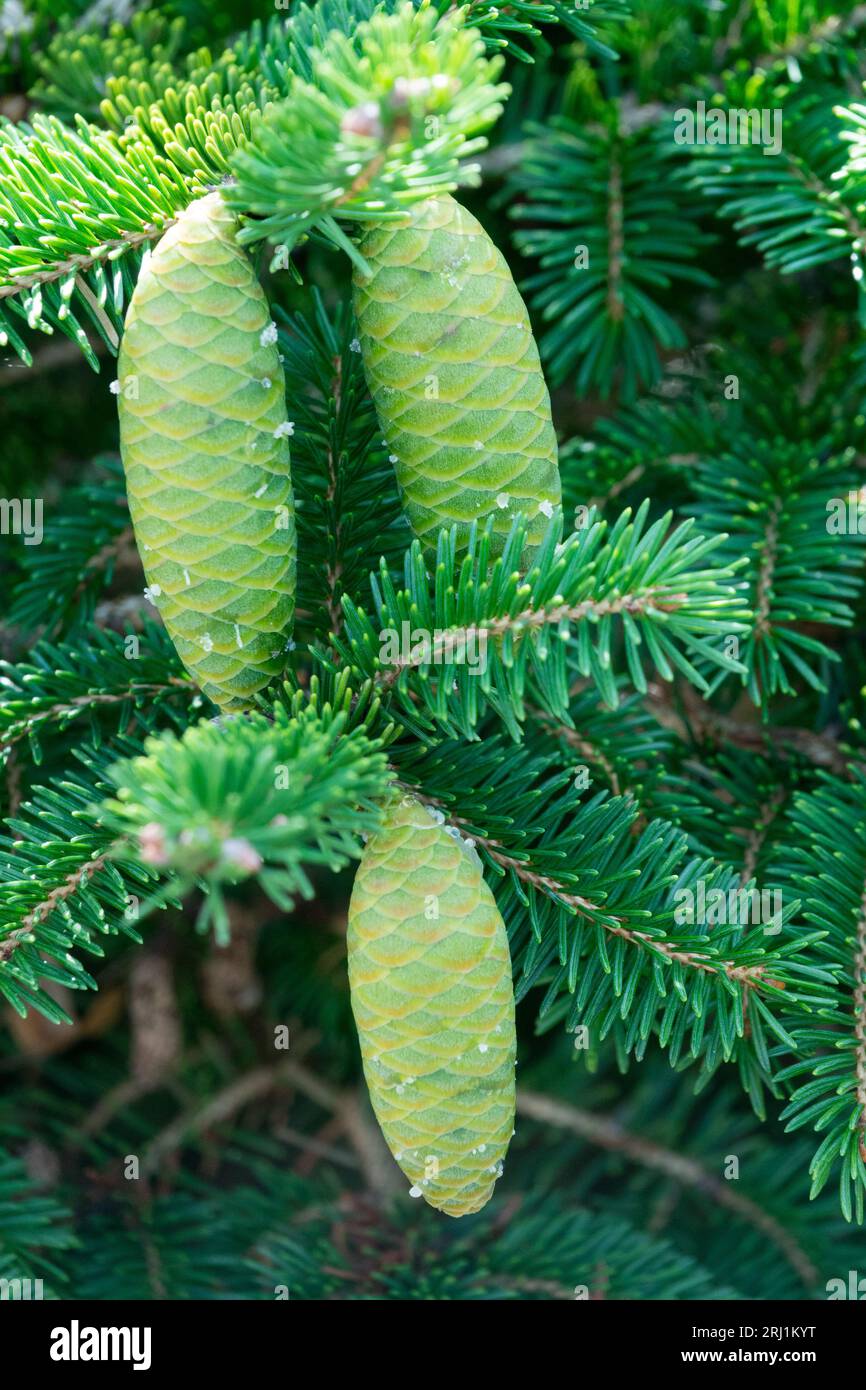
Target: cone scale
<point>454,371</point>
<point>203,436</point>
<point>432,995</point>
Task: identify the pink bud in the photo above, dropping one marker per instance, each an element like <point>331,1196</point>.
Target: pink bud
<point>242,855</point>
<point>151,844</point>
<point>363,120</point>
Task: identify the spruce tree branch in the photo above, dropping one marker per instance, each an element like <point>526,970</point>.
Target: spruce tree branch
<point>381,1172</point>
<point>561,1292</point>
<point>118,1098</point>
<point>750,977</point>
<point>378,1168</point>
<point>607,1134</point>
<point>734,33</point>
<point>533,619</point>
<point>820,33</point>
<point>115,614</point>
<point>127,241</point>
<point>112,550</point>
<point>55,355</point>
<point>828,196</point>
<point>13,783</point>
<point>16,732</point>
<point>43,910</point>
<point>621,485</point>
<point>317,1146</point>
<point>258,1082</point>
<point>758,834</point>
<point>335,571</point>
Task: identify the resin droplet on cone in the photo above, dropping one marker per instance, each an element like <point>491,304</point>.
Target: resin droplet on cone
<point>432,995</point>
<point>203,435</point>
<point>453,367</point>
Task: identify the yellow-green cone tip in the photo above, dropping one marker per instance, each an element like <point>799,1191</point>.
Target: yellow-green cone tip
<point>432,995</point>
<point>204,441</point>
<point>453,368</point>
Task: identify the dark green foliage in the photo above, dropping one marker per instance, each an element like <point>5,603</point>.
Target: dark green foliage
<point>105,682</point>
<point>786,507</point>
<point>828,858</point>
<point>34,1230</point>
<point>611,224</point>
<point>670,706</point>
<point>792,206</point>
<point>349,504</point>
<point>82,539</point>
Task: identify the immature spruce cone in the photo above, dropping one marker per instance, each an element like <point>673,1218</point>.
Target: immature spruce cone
<point>454,371</point>
<point>432,994</point>
<point>203,435</point>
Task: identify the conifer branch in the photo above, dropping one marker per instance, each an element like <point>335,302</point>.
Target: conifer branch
<point>15,731</point>
<point>73,882</point>
<point>860,1020</point>
<point>126,241</point>
<point>646,578</point>
<point>751,977</point>
<point>582,746</point>
<point>645,730</point>
<point>529,619</point>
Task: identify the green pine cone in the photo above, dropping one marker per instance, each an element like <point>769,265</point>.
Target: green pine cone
<point>203,435</point>
<point>454,371</point>
<point>432,995</point>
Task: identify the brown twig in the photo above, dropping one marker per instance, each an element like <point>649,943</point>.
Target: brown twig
<point>615,241</point>
<point>377,1166</point>
<point>707,723</point>
<point>758,834</point>
<point>607,1134</point>
<point>316,1146</point>
<point>764,591</point>
<point>106,553</point>
<point>580,744</point>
